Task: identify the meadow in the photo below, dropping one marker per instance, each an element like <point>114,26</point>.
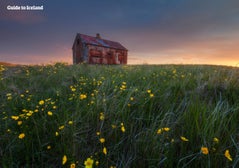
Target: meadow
<point>89,116</point>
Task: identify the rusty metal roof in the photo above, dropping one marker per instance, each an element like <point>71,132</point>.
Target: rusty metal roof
<point>100,42</point>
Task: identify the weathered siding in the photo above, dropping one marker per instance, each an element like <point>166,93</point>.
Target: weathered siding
<point>102,55</point>
<point>77,51</point>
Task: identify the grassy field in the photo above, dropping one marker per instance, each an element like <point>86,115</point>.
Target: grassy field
<point>119,116</point>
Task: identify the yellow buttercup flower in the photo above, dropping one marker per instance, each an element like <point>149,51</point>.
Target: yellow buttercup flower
<point>49,113</point>
<point>64,160</point>
<point>41,102</point>
<point>227,155</point>
<point>204,150</point>
<point>159,131</point>
<point>19,123</point>
<point>166,129</point>
<point>216,140</point>
<point>15,117</point>
<point>21,136</point>
<point>184,139</point>
<point>73,89</point>
<point>89,163</point>
<point>102,116</point>
<point>122,127</point>
<point>61,127</point>
<point>151,95</point>
<point>73,165</point>
<point>105,150</point>
<point>70,122</point>
<point>102,140</point>
<point>83,96</point>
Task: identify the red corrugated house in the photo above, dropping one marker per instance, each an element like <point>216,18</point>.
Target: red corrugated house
<point>95,50</point>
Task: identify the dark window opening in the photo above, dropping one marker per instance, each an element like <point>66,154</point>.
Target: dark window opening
<point>78,41</point>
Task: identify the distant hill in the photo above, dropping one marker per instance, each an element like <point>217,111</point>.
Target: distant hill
<point>7,64</point>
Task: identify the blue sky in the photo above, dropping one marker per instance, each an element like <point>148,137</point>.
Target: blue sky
<point>154,31</point>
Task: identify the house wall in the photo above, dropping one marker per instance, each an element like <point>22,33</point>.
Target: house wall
<point>77,51</point>
<point>102,55</point>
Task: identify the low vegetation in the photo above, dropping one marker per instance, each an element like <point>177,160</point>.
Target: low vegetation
<point>119,116</point>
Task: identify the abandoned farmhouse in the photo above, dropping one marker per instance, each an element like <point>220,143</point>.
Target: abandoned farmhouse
<point>95,50</point>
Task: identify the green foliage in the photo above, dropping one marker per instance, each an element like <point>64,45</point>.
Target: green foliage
<point>119,116</point>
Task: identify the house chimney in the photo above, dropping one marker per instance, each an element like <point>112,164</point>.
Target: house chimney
<point>98,36</point>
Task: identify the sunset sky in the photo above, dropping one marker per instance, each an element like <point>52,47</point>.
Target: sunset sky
<point>154,31</point>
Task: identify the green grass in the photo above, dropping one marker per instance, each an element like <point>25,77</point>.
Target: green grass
<point>89,102</point>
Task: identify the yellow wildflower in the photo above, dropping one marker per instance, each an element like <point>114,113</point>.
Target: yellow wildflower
<point>105,150</point>
<point>204,150</point>
<point>19,123</point>
<point>102,116</point>
<point>159,131</point>
<point>98,133</point>
<point>73,165</point>
<point>15,117</point>
<point>61,127</point>
<point>48,147</point>
<point>216,140</point>
<point>97,163</point>
<point>57,133</point>
<point>29,113</point>
<point>21,136</point>
<point>89,163</point>
<point>83,96</point>
<point>24,110</point>
<point>41,102</point>
<point>102,140</point>
<point>73,89</point>
<point>70,122</point>
<point>151,95</point>
<point>166,129</point>
<point>227,155</point>
<point>49,113</point>
<point>184,139</point>
<point>64,160</point>
<point>122,127</point>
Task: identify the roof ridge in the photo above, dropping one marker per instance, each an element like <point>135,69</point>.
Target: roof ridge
<point>108,43</point>
<point>98,38</point>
